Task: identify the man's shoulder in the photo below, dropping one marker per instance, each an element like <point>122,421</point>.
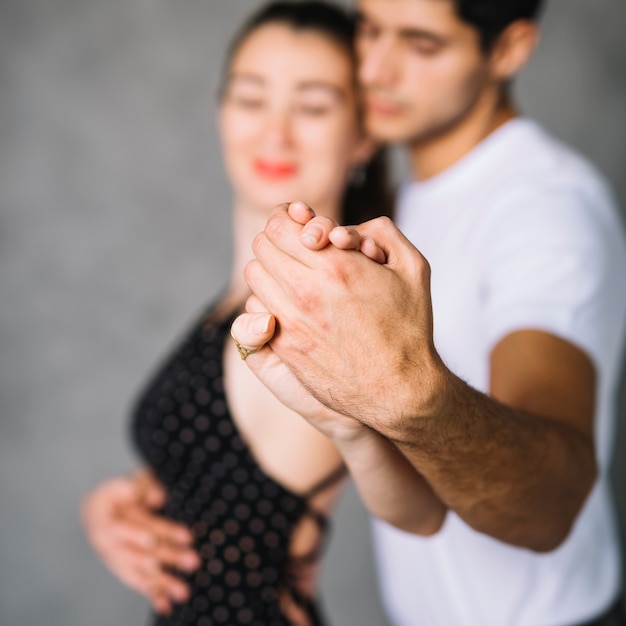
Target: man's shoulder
<point>546,191</point>
<point>533,166</point>
<point>535,155</point>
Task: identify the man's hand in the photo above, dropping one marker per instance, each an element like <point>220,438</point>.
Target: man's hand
<point>135,543</point>
<point>255,328</point>
<point>336,312</point>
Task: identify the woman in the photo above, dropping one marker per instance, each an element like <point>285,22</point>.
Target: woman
<point>226,524</point>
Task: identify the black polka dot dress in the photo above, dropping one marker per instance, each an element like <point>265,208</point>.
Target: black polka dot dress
<point>242,520</point>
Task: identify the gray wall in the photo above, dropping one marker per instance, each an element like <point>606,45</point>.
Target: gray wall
<point>114,229</point>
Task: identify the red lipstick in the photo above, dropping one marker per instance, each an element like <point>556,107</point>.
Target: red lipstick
<point>274,170</point>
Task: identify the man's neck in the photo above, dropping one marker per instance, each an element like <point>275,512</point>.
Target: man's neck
<point>432,156</point>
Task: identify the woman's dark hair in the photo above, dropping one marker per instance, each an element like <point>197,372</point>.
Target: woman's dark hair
<point>491,17</point>
<point>368,193</point>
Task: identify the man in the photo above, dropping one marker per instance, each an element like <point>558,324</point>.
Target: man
<point>501,392</point>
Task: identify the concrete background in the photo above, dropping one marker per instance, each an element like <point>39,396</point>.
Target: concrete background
<point>114,230</point>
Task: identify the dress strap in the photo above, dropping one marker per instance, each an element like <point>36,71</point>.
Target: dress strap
<point>319,518</point>
<point>327,482</point>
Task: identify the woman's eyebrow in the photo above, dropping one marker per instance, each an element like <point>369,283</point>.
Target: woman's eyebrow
<point>315,85</point>
<point>252,79</point>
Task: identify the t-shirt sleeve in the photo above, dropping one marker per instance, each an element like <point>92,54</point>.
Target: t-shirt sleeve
<point>547,267</point>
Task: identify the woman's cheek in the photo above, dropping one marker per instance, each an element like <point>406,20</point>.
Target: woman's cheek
<point>240,128</point>
<point>323,142</point>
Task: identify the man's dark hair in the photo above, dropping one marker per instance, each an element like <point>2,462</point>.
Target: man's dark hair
<point>491,17</point>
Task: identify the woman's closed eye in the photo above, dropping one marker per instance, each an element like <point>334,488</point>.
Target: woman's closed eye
<point>313,109</point>
<point>317,100</point>
<point>245,92</point>
<point>248,102</point>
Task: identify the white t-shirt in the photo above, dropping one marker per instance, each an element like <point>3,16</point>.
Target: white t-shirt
<point>522,233</point>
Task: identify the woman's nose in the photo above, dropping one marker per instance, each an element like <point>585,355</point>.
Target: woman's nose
<point>277,128</point>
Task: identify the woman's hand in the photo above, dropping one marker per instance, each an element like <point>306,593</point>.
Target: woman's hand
<point>254,330</point>
<point>135,543</point>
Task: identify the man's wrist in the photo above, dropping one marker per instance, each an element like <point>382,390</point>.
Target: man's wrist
<point>427,397</point>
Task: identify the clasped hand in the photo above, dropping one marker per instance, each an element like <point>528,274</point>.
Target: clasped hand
<point>345,320</point>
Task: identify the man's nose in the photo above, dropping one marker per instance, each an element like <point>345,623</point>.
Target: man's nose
<point>378,63</point>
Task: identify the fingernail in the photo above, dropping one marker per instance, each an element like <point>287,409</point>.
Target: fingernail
<point>189,562</point>
<point>184,536</point>
<point>180,594</point>
<point>303,205</point>
<point>259,324</point>
<point>162,607</point>
<point>312,233</point>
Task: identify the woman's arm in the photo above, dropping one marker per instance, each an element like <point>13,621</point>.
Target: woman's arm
<point>389,486</point>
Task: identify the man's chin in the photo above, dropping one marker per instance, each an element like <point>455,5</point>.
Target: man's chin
<point>387,130</point>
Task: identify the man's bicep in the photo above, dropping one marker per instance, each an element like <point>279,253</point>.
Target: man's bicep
<point>540,373</point>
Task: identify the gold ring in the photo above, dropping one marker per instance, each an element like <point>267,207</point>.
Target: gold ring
<point>244,352</point>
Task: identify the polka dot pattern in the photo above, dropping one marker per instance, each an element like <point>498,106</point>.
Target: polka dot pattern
<point>242,520</point>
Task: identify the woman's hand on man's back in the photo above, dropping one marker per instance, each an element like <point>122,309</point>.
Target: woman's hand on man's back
<point>137,544</point>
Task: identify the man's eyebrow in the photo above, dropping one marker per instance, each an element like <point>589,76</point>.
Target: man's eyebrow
<point>412,34</point>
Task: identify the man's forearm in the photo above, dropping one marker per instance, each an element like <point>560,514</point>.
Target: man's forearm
<point>515,476</point>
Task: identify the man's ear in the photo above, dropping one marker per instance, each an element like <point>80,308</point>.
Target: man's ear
<point>513,49</point>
